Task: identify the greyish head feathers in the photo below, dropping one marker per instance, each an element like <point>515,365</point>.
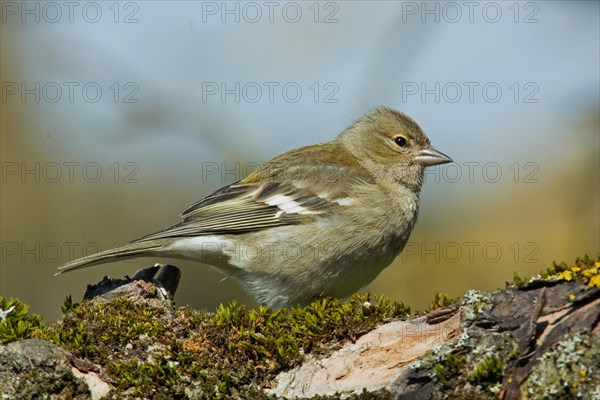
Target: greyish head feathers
<point>387,143</point>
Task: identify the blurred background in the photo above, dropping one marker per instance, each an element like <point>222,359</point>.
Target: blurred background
<point>116,116</point>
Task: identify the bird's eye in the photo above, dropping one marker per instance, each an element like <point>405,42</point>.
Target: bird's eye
<point>400,141</point>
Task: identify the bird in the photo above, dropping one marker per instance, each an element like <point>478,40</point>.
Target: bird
<point>319,220</point>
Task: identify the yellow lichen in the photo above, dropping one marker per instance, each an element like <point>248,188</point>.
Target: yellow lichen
<point>594,281</point>
<point>564,276</point>
<point>584,270</point>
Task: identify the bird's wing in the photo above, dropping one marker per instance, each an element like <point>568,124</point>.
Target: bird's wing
<point>246,207</point>
<point>276,194</point>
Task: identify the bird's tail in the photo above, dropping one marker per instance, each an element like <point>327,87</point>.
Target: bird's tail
<point>130,250</point>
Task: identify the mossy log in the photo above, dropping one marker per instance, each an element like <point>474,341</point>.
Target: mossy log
<point>536,339</point>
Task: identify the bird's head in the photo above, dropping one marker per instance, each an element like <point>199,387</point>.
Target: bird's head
<point>392,146</point>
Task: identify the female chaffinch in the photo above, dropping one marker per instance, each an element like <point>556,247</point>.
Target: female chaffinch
<point>319,220</point>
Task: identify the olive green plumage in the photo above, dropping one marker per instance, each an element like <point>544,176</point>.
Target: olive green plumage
<point>318,220</point>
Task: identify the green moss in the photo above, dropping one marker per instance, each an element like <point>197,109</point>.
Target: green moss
<point>517,280</point>
<point>92,331</point>
<point>18,323</point>
<point>284,335</point>
<point>68,304</point>
<point>441,300</point>
<point>448,369</point>
<point>488,371</point>
<point>158,377</point>
<point>148,352</point>
<point>586,270</point>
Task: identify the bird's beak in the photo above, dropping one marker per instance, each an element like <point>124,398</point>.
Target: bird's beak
<point>430,157</point>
